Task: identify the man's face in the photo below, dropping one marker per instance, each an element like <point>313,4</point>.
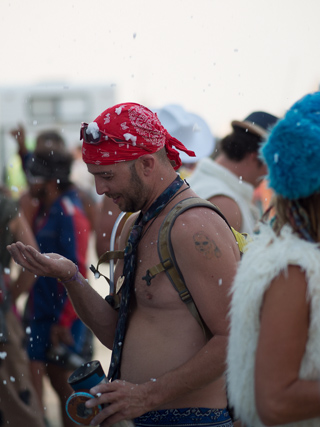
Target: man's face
<point>122,184</point>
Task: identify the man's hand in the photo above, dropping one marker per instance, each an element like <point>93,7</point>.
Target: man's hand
<point>122,400</point>
<point>49,265</point>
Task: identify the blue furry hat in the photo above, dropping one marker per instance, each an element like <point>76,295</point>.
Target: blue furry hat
<point>292,151</point>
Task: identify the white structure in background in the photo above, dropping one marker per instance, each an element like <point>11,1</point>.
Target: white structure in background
<point>56,106</point>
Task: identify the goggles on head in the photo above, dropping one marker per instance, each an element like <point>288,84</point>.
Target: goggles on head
<point>95,136</point>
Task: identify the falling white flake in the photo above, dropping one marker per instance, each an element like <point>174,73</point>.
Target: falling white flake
<point>15,189</point>
<point>276,157</point>
<point>3,355</point>
<point>129,137</point>
<point>110,213</point>
<point>28,330</point>
<point>12,379</point>
<point>220,282</point>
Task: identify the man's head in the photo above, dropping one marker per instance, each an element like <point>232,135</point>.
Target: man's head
<point>239,151</point>
<point>126,132</point>
<point>47,166</point>
<point>247,135</point>
<point>49,140</point>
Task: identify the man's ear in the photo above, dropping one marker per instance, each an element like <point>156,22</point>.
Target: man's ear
<point>146,163</point>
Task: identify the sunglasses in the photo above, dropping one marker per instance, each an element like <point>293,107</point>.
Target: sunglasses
<point>96,138</point>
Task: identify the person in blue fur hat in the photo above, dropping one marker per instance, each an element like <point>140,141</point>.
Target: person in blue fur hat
<point>273,362</point>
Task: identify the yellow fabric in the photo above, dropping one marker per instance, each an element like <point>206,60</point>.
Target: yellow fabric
<point>242,239</point>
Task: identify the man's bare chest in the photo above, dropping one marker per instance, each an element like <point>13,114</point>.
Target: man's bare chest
<point>157,292</point>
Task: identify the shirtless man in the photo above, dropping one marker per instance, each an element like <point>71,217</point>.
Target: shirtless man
<point>170,373</point>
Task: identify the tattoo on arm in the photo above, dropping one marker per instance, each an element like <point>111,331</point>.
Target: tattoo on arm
<point>205,246</point>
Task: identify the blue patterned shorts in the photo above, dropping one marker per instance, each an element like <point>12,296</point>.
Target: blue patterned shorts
<point>185,417</point>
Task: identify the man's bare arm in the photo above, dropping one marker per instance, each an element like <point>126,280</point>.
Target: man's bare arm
<point>93,310</point>
<point>230,210</point>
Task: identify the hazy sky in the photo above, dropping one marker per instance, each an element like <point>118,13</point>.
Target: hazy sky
<point>220,59</point>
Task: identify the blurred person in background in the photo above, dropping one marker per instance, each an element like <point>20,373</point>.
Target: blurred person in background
<point>230,179</point>
<point>51,139</point>
<point>274,346</point>
<point>58,341</point>
<point>192,130</point>
<point>19,401</point>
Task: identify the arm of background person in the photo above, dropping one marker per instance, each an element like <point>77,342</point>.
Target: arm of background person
<point>281,396</point>
<point>230,210</point>
<point>19,135</point>
<point>21,230</point>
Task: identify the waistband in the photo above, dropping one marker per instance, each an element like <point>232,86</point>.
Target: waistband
<point>185,417</point>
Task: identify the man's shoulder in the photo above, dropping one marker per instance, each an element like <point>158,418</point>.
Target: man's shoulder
<point>202,217</point>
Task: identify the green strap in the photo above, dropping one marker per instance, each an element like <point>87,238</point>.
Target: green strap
<point>168,262</point>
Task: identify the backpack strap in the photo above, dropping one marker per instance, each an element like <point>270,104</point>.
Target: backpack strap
<point>168,261</point>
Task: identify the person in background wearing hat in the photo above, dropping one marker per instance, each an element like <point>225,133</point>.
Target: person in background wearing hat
<point>229,180</point>
<point>273,355</point>
<point>164,370</point>
<point>192,130</point>
<point>60,225</point>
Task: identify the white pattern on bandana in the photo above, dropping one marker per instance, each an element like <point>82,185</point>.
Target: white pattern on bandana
<point>143,122</point>
<point>124,126</point>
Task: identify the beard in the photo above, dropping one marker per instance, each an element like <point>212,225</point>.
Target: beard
<point>135,196</point>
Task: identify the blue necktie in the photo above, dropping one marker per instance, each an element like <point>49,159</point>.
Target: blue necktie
<point>129,272</point>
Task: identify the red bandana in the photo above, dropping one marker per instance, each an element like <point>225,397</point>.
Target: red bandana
<point>126,132</point>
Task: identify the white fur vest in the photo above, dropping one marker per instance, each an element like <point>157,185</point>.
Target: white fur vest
<point>265,258</point>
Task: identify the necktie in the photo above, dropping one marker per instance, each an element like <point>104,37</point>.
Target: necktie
<point>129,272</point>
